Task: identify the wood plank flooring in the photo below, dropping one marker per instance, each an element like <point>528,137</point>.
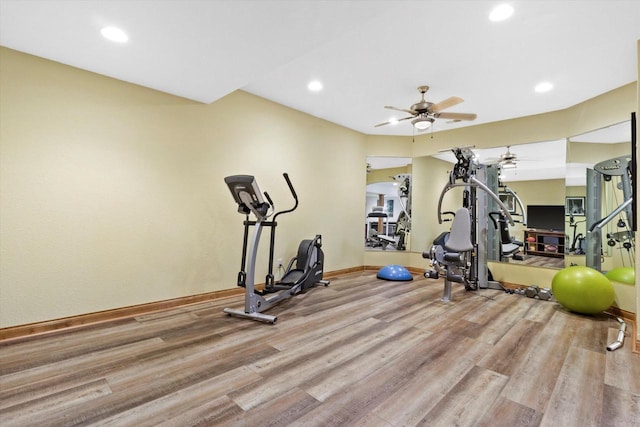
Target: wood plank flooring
<point>361,352</point>
<point>539,261</point>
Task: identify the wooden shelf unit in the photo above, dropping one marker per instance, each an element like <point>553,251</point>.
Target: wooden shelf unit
<point>544,242</point>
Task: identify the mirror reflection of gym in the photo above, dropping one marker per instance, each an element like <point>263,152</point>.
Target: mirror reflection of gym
<point>613,245</point>
<point>388,203</point>
<point>529,179</point>
<point>616,241</point>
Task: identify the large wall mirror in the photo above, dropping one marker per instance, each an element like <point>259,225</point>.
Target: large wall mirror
<point>531,184</point>
<point>549,179</point>
<point>584,151</point>
<point>388,203</point>
<point>552,154</point>
<point>614,245</point>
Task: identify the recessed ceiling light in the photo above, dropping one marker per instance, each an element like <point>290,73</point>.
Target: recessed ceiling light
<point>501,12</point>
<point>393,121</point>
<point>114,34</point>
<point>543,87</point>
<point>315,86</point>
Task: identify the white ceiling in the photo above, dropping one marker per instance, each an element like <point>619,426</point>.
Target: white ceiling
<point>367,54</point>
<point>535,161</point>
<point>616,133</point>
<point>547,159</point>
<point>378,162</point>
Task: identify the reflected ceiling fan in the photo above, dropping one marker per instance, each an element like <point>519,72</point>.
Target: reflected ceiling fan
<point>424,113</point>
<point>506,160</point>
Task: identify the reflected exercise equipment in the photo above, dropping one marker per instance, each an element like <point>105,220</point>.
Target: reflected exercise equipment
<point>309,262</point>
<point>610,176</point>
<point>577,241</point>
<point>399,237</point>
<point>510,247</point>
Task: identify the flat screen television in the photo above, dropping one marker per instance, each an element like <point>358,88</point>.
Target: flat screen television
<point>545,217</point>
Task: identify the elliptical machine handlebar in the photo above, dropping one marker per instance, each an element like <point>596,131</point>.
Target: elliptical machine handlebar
<point>266,195</point>
<point>293,193</point>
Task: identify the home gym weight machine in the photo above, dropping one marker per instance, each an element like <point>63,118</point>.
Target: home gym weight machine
<point>605,172</point>
<point>462,258</point>
<point>309,261</point>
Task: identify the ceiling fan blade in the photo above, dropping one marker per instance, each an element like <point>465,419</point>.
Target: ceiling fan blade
<point>400,109</point>
<point>491,161</point>
<point>456,116</point>
<point>382,124</point>
<point>393,121</point>
<point>443,105</point>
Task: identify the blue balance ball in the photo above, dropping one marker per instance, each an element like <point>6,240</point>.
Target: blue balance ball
<point>394,272</point>
<point>582,289</point>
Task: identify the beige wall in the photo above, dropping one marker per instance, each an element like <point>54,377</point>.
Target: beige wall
<point>581,152</point>
<point>113,195</point>
<point>384,175</point>
<point>389,146</point>
<point>429,178</point>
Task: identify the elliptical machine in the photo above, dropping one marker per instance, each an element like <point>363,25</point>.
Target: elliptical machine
<point>577,242</point>
<point>308,263</point>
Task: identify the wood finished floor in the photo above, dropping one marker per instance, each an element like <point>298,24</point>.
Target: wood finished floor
<point>362,352</point>
<point>539,261</point>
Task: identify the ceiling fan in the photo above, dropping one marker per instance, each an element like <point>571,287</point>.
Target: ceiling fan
<point>506,160</point>
<point>424,113</point>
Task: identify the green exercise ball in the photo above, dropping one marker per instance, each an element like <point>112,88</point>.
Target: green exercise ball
<point>582,289</point>
<point>623,275</point>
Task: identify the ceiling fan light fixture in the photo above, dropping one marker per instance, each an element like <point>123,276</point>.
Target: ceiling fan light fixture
<point>508,164</point>
<point>422,123</point>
